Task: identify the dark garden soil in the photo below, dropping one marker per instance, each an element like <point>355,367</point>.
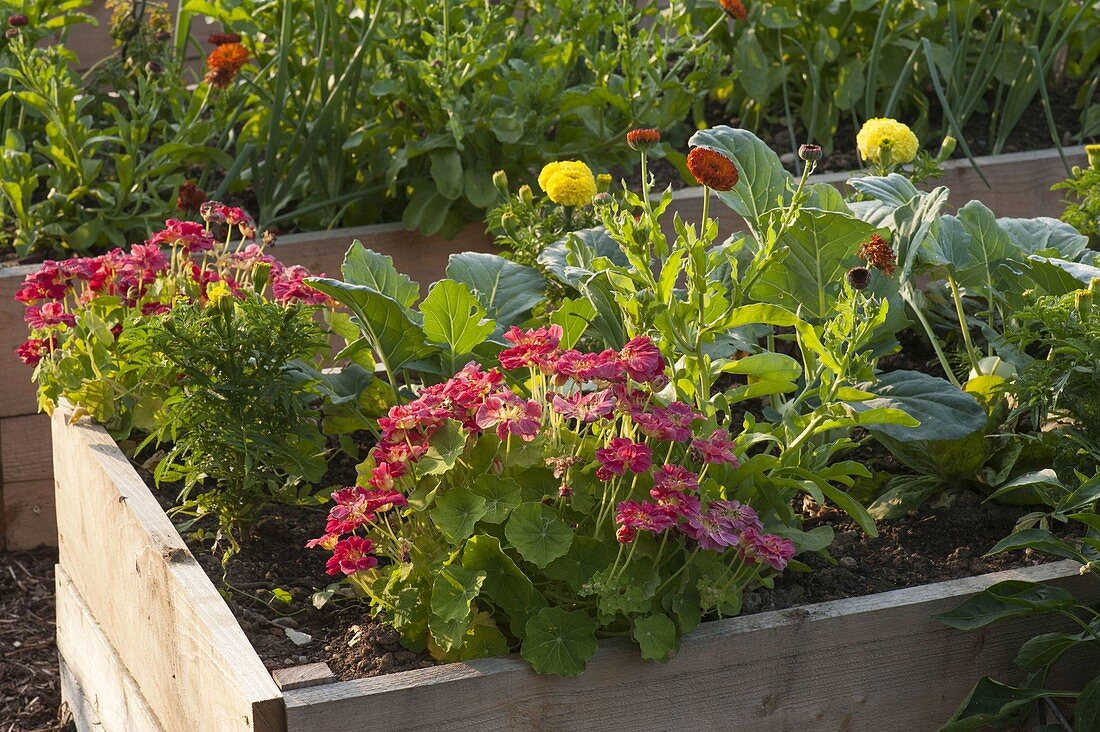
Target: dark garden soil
<point>933,545</point>
<point>936,544</point>
<point>30,686</point>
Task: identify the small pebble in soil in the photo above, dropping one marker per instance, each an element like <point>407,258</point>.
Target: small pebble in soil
<point>848,562</point>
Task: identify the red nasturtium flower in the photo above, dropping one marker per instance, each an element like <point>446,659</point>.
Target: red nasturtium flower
<point>734,9</point>
<point>712,169</point>
<point>224,62</point>
<point>643,138</point>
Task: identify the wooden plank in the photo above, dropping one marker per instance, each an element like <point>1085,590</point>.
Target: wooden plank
<point>74,705</point>
<point>28,518</point>
<point>155,604</point>
<point>101,693</point>
<point>423,258</point>
<point>870,663</point>
<point>300,677</point>
<point>17,392</point>
<point>26,452</point>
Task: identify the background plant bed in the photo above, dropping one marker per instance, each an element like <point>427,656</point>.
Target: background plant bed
<point>26,473</point>
<point>139,621</point>
<point>1019,185</point>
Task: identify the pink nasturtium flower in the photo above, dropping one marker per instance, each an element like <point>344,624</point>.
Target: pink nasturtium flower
<point>511,414</point>
<point>351,555</point>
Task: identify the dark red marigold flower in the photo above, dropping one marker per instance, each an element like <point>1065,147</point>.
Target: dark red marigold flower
<point>859,278</point>
<point>190,198</point>
<point>879,254</point>
<point>18,20</point>
<point>712,169</point>
<point>642,138</point>
<point>734,9</point>
<point>221,39</point>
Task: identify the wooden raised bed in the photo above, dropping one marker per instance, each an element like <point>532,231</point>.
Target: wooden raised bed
<point>1020,187</point>
<point>26,473</point>
<point>147,643</point>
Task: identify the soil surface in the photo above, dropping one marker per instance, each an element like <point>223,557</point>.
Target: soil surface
<point>274,560</point>
<point>30,685</point>
<point>932,545</point>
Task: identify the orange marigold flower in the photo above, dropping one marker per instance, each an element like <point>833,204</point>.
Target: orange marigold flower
<point>712,169</point>
<point>642,138</point>
<point>879,254</point>
<point>734,9</point>
<point>224,62</point>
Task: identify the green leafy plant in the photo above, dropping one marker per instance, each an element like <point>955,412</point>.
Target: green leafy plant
<point>1083,208</point>
<point>236,420</point>
<point>995,702</point>
<point>83,170</point>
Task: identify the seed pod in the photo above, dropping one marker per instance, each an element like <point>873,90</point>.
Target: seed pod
<point>859,278</point>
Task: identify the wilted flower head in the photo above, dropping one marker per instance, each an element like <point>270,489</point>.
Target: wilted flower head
<point>712,169</point>
<point>190,198</point>
<point>568,183</point>
<point>887,142</point>
<point>734,9</point>
<point>859,278</point>
<point>643,138</point>
<point>879,254</point>
<point>641,359</point>
<point>222,39</point>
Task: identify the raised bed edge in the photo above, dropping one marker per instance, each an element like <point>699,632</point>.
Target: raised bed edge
<point>882,655</point>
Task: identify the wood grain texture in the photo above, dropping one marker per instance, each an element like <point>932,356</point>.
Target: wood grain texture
<point>873,663</point>
<point>300,677</point>
<point>28,517</point>
<point>26,452</point>
<point>158,609</point>
<point>17,393</point>
<point>79,709</point>
<point>101,692</point>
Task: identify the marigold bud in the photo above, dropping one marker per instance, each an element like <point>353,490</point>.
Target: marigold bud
<point>500,182</point>
<point>946,148</point>
<point>163,36</point>
<point>11,33</point>
<point>1082,303</point>
<point>859,278</point>
<point>643,138</point>
<point>526,196</point>
<point>221,39</point>
<point>603,182</point>
<point>508,223</point>
<point>810,153</point>
<point>18,20</point>
<point>602,199</point>
<point>735,9</point>
<point>154,68</point>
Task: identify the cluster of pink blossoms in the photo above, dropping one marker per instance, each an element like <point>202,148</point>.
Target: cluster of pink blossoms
<point>54,291</point>
<point>721,525</point>
<point>620,384</point>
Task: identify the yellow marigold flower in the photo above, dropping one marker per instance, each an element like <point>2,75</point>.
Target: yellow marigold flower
<point>569,183</point>
<point>216,292</point>
<point>1093,152</point>
<point>887,142</point>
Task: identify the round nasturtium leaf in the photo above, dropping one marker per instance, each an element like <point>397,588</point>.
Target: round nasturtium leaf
<point>455,513</point>
<point>537,533</point>
<point>560,642</point>
<point>656,635</point>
